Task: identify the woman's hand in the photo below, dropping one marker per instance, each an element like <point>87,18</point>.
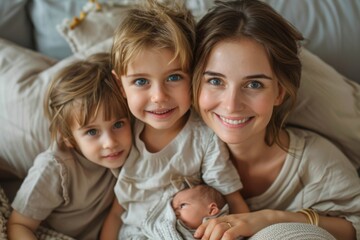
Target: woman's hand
<point>236,225</point>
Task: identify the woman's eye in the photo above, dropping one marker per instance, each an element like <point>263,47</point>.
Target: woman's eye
<point>119,124</point>
<point>140,82</point>
<point>254,84</point>
<point>214,81</point>
<point>174,77</point>
<point>91,132</point>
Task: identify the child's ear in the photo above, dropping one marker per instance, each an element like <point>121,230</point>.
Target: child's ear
<point>213,209</point>
<point>118,82</point>
<point>68,143</point>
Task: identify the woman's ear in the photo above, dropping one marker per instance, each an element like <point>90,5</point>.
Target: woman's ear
<point>281,94</point>
<point>213,209</point>
<point>118,80</point>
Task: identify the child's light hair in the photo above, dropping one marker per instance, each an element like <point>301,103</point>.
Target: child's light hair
<point>153,24</point>
<point>76,94</point>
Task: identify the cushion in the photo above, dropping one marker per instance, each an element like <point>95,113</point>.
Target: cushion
<point>329,104</point>
<point>45,15</point>
<point>328,26</point>
<point>99,24</point>
<point>15,25</point>
<point>22,87</point>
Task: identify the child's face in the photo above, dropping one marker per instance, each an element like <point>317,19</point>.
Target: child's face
<point>106,143</point>
<point>157,90</point>
<point>191,208</point>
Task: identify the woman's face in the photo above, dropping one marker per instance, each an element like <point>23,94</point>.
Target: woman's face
<point>238,91</point>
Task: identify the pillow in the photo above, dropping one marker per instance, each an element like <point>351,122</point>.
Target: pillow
<point>45,15</point>
<point>329,104</point>
<point>24,76</point>
<point>24,131</point>
<point>328,26</point>
<point>96,26</point>
<point>15,25</point>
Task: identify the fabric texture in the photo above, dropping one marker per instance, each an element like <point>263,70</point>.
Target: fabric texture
<point>328,104</point>
<point>307,180</point>
<point>328,27</point>
<point>196,152</point>
<point>42,233</point>
<point>292,231</point>
<point>81,193</point>
<point>97,23</point>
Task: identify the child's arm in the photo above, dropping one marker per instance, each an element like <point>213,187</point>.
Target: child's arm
<point>236,203</point>
<point>112,224</point>
<point>21,227</point>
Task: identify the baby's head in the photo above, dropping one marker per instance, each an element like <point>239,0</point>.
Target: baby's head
<point>154,25</point>
<point>192,205</point>
<point>80,93</point>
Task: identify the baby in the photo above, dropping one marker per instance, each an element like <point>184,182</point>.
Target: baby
<point>194,205</point>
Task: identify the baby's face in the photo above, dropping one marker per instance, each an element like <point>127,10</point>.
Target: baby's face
<point>190,207</point>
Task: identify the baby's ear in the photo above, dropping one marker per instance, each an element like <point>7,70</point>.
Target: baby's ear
<point>118,82</point>
<point>213,209</point>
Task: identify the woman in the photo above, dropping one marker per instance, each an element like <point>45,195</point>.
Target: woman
<point>246,77</point>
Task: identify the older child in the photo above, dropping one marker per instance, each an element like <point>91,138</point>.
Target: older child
<point>70,186</point>
<point>247,73</point>
<point>152,55</point>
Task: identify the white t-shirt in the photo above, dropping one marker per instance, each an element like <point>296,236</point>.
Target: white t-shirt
<point>196,152</point>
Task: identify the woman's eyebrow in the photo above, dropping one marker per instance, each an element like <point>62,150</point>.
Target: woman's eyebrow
<point>258,76</point>
<point>216,74</point>
<point>210,73</point>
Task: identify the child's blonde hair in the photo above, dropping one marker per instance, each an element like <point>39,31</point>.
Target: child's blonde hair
<point>153,24</point>
<point>76,94</point>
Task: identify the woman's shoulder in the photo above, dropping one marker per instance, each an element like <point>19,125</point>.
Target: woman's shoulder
<point>316,150</point>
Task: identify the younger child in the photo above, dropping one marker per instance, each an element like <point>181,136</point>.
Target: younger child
<point>194,205</point>
<point>152,57</point>
<point>70,187</point>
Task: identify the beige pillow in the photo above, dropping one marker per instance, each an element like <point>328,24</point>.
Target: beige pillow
<point>96,26</point>
<point>329,104</point>
<point>24,76</point>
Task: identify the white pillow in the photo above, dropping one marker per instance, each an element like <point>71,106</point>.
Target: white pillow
<point>329,104</point>
<point>97,26</point>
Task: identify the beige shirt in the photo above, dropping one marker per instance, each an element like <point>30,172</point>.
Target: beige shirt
<point>70,193</point>
<point>316,175</point>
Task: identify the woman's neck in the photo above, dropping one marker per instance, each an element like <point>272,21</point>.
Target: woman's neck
<point>258,164</point>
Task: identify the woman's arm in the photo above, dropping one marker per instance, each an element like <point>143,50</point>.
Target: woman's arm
<point>21,227</point>
<point>247,224</point>
<point>112,224</point>
<point>236,203</point>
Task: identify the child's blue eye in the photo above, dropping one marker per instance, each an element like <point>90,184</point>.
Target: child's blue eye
<point>141,82</point>
<point>215,81</point>
<point>119,124</point>
<point>91,132</point>
<point>174,77</point>
<point>255,84</point>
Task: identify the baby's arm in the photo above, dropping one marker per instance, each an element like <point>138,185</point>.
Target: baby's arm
<point>236,203</point>
<point>112,224</point>
<point>21,227</point>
